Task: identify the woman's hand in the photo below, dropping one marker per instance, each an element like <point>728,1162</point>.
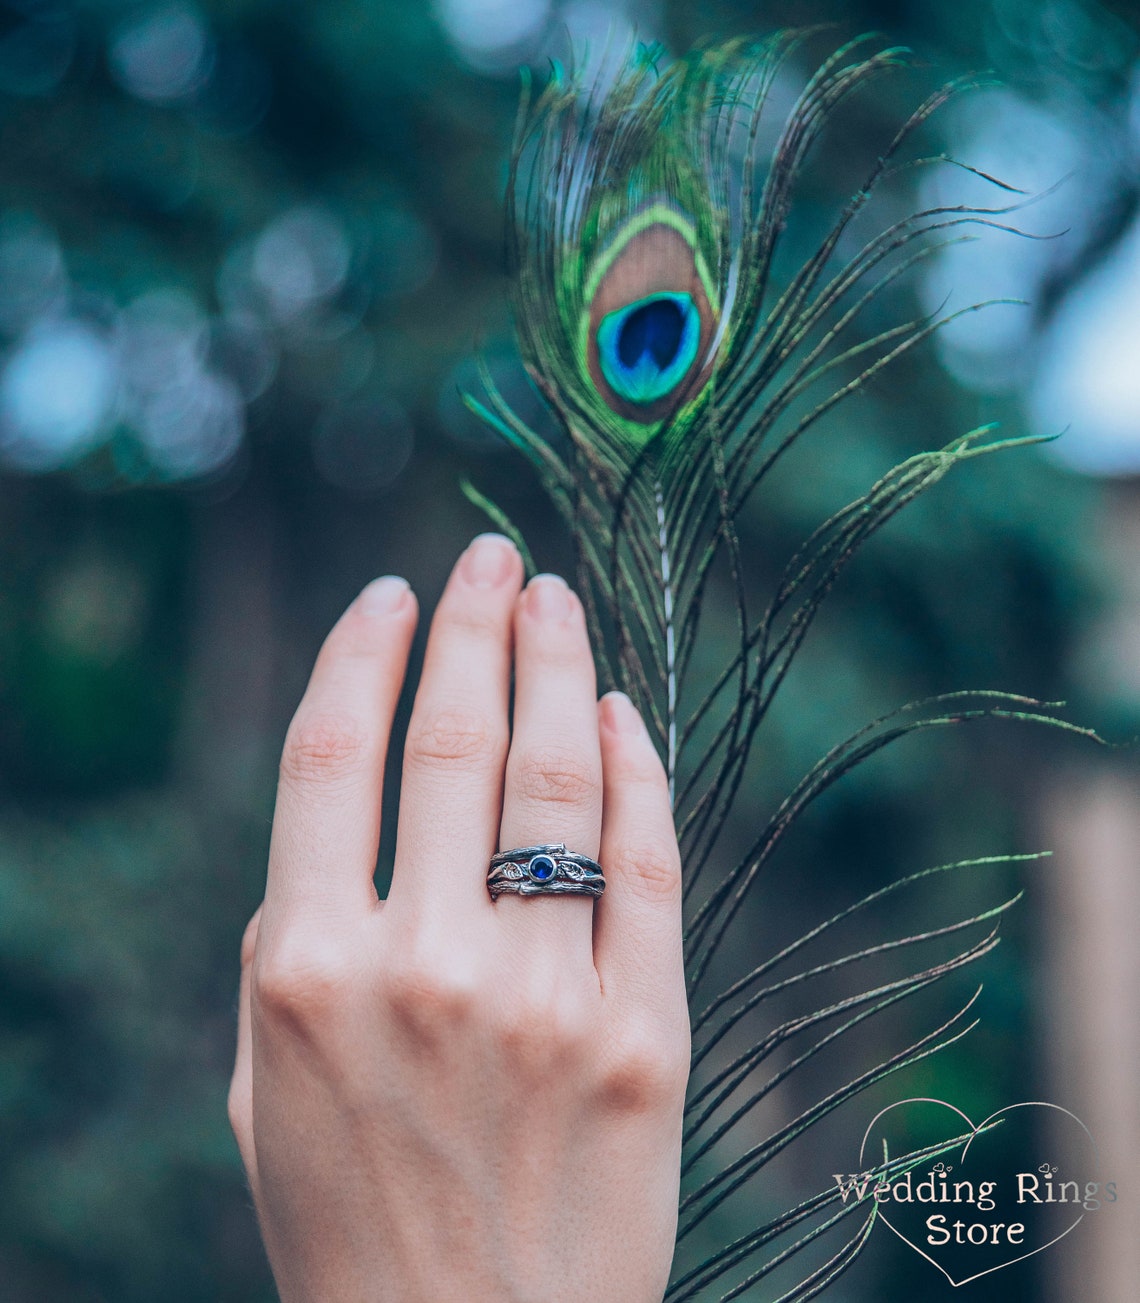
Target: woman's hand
<point>440,1097</point>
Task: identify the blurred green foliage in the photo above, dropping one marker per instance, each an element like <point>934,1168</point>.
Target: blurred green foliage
<point>246,253</point>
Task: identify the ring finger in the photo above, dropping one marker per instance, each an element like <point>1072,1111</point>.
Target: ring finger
<point>553,790</point>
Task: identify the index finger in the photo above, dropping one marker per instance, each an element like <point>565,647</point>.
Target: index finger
<point>326,827</point>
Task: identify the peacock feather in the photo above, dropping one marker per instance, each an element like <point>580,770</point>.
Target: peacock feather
<point>648,211</point>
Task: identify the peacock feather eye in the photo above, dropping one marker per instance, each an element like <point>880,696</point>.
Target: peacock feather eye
<point>649,318</point>
<point>648,347</point>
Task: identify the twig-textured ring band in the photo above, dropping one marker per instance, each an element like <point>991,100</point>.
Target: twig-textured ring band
<point>547,870</point>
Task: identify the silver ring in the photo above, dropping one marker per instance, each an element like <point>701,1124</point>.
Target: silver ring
<point>546,870</point>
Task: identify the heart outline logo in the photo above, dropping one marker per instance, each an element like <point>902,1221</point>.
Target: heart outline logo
<point>976,1130</point>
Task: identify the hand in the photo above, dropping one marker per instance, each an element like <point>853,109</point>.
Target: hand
<point>440,1097</point>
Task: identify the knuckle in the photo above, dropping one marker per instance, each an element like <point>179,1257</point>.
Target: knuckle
<point>652,869</point>
<point>539,1034</point>
<point>323,747</point>
<point>239,1112</point>
<point>249,940</point>
<point>455,735</point>
<point>431,1000</point>
<point>531,1049</point>
<point>644,1073</point>
<point>550,775</point>
<point>300,981</point>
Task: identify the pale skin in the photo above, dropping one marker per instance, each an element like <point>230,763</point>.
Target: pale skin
<point>439,1097</point>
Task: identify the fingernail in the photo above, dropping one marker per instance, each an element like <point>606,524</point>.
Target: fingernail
<point>620,714</point>
<point>548,597</point>
<point>384,596</point>
<point>488,561</point>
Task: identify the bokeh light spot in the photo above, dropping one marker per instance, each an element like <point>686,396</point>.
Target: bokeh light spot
<point>1088,379</point>
<point>492,34</point>
<point>192,429</point>
<point>1022,144</point>
<point>164,55</point>
<point>162,338</point>
<point>301,259</point>
<point>56,395</point>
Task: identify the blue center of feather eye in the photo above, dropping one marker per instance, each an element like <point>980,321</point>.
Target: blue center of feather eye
<point>654,329</point>
<point>646,348</point>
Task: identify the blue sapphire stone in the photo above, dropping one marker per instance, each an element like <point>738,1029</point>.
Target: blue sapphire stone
<point>541,868</point>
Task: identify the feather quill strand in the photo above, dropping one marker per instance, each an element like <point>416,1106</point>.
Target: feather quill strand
<point>647,211</point>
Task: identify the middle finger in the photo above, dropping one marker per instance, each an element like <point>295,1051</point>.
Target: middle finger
<point>457,738</point>
<point>553,790</point>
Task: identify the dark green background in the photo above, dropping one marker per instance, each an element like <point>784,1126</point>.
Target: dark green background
<point>156,628</point>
